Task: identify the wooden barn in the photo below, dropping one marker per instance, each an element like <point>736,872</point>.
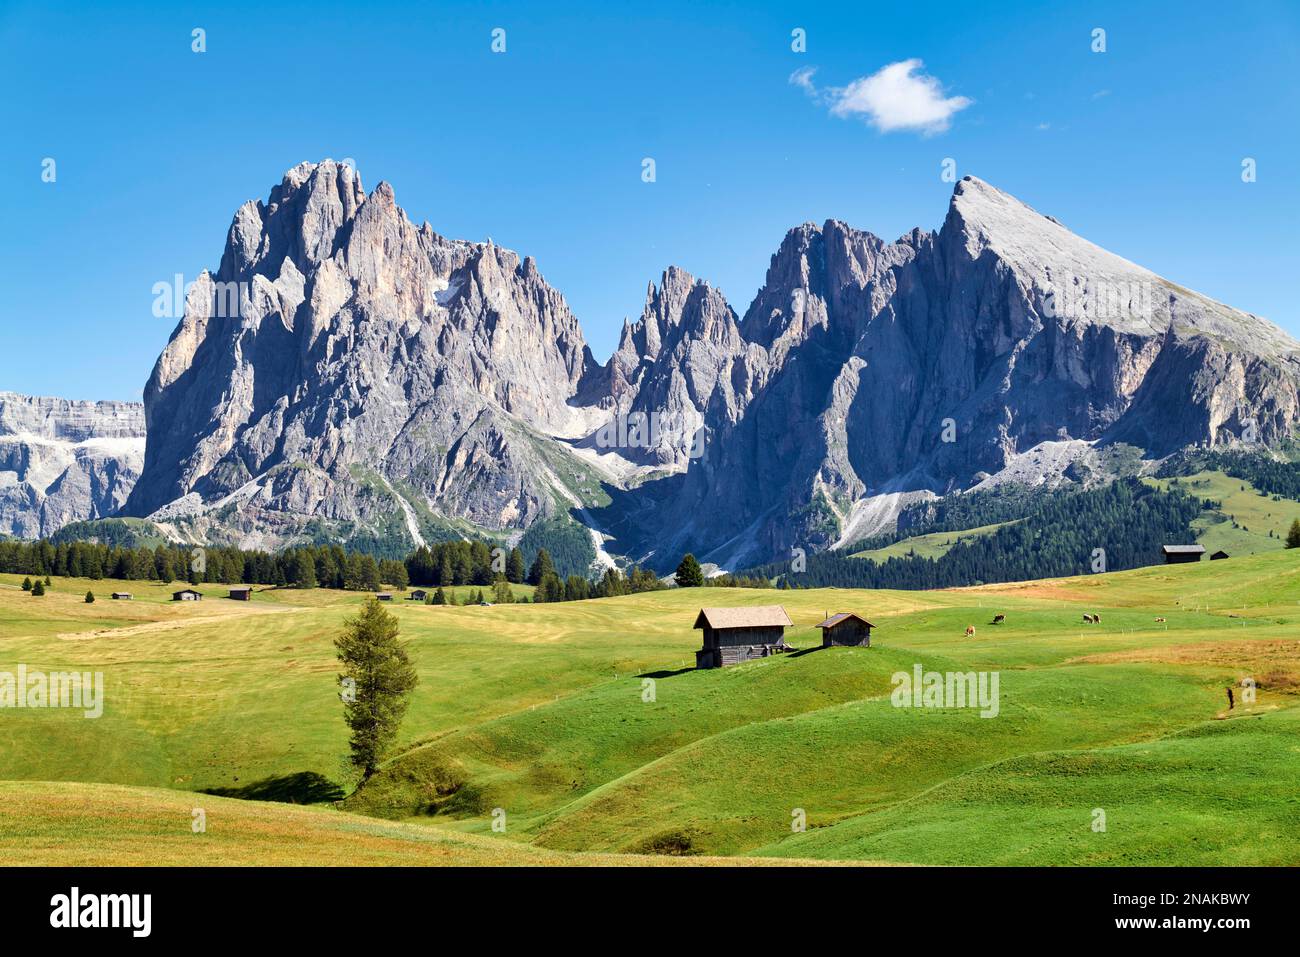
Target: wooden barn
<point>1178,554</point>
<point>418,594</point>
<point>121,596</point>
<point>384,596</point>
<point>241,592</point>
<point>1219,556</point>
<point>846,629</point>
<point>733,635</point>
<point>187,594</point>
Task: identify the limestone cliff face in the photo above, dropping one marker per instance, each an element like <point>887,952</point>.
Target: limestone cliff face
<point>348,374</point>
<point>373,369</point>
<point>915,367</point>
<point>63,461</point>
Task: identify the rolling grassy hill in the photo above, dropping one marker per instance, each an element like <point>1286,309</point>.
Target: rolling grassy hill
<point>583,722</point>
<point>1242,524</point>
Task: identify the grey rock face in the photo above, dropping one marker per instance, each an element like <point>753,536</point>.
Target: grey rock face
<point>379,381</point>
<point>919,367</point>
<point>374,369</point>
<point>63,461</point>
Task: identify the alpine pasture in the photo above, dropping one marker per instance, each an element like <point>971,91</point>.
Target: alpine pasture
<point>581,731</point>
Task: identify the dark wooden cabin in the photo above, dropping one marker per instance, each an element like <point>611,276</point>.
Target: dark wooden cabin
<point>187,594</point>
<point>1218,556</point>
<point>241,593</point>
<point>733,635</point>
<point>1178,554</point>
<point>418,594</point>
<point>384,596</point>
<point>846,629</point>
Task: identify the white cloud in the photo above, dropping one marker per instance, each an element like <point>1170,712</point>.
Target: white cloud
<point>896,97</point>
<point>802,78</point>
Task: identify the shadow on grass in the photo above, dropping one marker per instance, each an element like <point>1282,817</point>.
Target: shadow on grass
<point>302,787</point>
<point>803,651</point>
<point>665,674</point>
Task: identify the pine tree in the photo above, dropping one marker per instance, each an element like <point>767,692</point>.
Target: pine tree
<point>501,593</point>
<point>1293,536</point>
<point>515,567</point>
<point>90,598</point>
<point>689,574</point>
<point>377,678</point>
<point>304,570</point>
<point>38,588</point>
<point>440,597</point>
<point>27,584</point>
<point>542,567</point>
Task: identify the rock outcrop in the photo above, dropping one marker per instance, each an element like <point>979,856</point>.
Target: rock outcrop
<point>346,374</point>
<point>63,461</point>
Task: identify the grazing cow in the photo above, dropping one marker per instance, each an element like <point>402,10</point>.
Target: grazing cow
<point>1096,619</point>
<point>970,631</point>
<point>1087,619</point>
<point>999,619</point>
<point>1159,619</point>
<point>1230,701</point>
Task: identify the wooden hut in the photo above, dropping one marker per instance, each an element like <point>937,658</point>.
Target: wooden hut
<point>121,596</point>
<point>1178,554</point>
<point>187,594</point>
<point>1218,556</point>
<point>733,635</point>
<point>419,594</point>
<point>241,592</point>
<point>384,596</point>
<point>847,629</point>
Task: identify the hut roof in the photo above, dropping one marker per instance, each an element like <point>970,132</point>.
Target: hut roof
<point>755,616</point>
<point>1183,549</point>
<point>836,619</point>
<point>241,587</point>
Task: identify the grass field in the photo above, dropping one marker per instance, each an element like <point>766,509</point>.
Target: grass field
<point>583,724</point>
<point>929,545</point>
<point>1255,514</point>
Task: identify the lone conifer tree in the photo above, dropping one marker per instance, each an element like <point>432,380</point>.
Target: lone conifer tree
<point>689,574</point>
<point>1293,536</point>
<point>38,588</point>
<point>90,598</point>
<point>377,677</point>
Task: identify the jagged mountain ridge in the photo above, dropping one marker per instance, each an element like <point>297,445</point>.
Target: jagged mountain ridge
<point>384,380</point>
<point>63,461</point>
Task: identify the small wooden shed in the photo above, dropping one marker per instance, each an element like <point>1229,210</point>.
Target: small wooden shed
<point>241,592</point>
<point>121,596</point>
<point>187,594</point>
<point>384,595</point>
<point>419,594</point>
<point>733,635</point>
<point>846,629</point>
<point>1218,556</point>
<point>1178,554</point>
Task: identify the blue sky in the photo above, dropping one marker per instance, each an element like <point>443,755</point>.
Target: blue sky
<point>1138,148</point>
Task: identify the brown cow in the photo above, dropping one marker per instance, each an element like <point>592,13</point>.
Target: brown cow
<point>970,631</point>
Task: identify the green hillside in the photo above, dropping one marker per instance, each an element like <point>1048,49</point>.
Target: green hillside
<point>585,725</point>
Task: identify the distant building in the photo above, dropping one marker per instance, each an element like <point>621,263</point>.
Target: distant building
<point>1219,555</point>
<point>384,595</point>
<point>847,629</point>
<point>733,635</point>
<point>187,594</point>
<point>121,596</point>
<point>1177,554</point>
<point>241,592</point>
<point>419,594</point>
